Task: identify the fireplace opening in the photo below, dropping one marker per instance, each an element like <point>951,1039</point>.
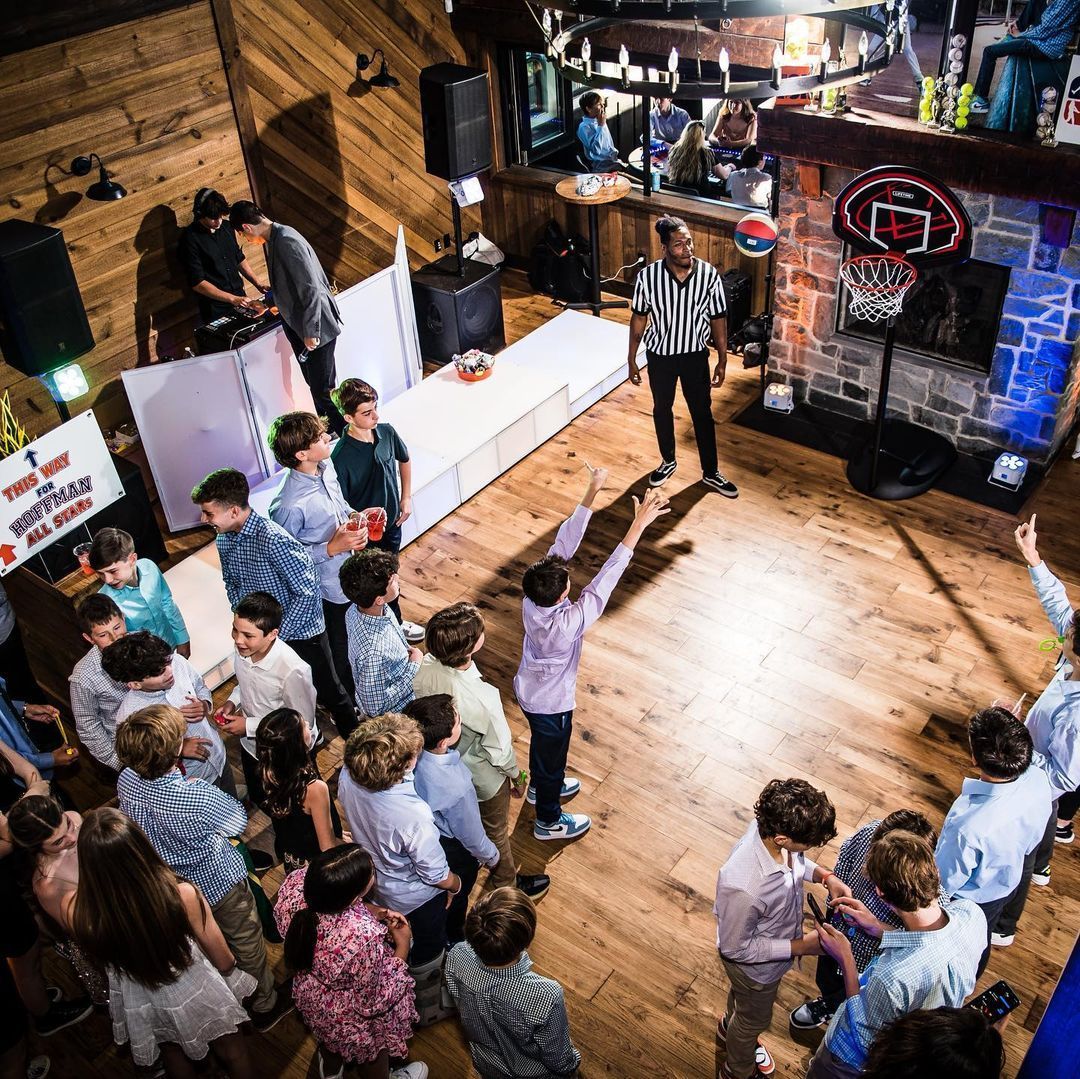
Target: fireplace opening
<point>951,315</point>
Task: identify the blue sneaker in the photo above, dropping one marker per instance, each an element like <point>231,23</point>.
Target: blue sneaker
<point>568,826</point>
<point>570,787</point>
<point>979,105</point>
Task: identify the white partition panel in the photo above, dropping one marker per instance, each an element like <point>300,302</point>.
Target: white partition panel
<point>193,416</point>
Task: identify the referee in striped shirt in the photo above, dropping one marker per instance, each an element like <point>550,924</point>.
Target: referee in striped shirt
<point>678,305</point>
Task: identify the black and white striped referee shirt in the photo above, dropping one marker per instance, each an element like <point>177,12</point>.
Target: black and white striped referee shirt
<point>679,311</point>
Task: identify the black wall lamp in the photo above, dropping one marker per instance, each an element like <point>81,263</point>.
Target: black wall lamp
<point>383,80</point>
<point>103,189</point>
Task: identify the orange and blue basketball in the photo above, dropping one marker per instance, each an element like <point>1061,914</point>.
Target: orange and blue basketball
<point>755,235</point>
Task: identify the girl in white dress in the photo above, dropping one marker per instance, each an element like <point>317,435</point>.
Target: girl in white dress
<point>174,987</point>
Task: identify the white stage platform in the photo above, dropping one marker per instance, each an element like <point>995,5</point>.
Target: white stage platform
<point>461,437</point>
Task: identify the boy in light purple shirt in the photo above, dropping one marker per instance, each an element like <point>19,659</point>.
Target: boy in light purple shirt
<point>546,681</point>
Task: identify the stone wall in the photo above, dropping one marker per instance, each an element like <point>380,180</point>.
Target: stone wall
<point>1028,401</point>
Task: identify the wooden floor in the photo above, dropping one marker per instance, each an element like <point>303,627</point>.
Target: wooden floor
<point>800,630</point>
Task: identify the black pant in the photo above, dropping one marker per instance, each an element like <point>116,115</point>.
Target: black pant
<point>992,912</point>
<point>391,541</point>
<point>338,636</point>
<point>830,980</point>
<point>1068,804</point>
<point>428,924</point>
<point>467,868</point>
<point>315,652</point>
<point>320,373</point>
<point>692,370</point>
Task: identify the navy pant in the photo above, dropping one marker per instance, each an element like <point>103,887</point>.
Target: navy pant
<point>315,652</point>
<point>428,924</point>
<point>547,760</point>
<point>1007,46</point>
<point>1013,907</point>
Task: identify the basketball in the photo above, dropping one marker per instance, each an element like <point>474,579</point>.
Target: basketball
<point>755,235</point>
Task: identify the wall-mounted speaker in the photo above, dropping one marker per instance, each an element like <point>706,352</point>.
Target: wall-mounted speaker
<point>43,323</point>
<point>454,314</point>
<point>454,110</point>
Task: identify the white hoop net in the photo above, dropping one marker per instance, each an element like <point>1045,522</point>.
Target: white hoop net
<point>877,284</point>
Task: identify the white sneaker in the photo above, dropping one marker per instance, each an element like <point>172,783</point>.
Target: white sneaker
<point>414,634</point>
<point>568,826</point>
<point>1001,940</point>
<point>416,1070</point>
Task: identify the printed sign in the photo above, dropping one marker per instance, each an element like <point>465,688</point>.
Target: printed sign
<point>52,486</point>
<point>1068,125</point>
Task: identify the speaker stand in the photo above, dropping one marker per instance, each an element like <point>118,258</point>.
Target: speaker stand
<point>595,305</point>
<point>901,459</point>
<point>455,210</point>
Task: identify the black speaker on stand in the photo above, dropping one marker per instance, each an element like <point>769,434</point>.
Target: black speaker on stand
<point>454,111</point>
<point>43,323</point>
<point>457,312</point>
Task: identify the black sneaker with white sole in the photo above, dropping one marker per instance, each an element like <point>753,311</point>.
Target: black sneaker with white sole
<point>814,1013</point>
<point>661,473</point>
<point>61,1014</point>
<point>716,481</point>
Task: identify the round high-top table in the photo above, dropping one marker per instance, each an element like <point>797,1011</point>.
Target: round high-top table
<point>566,190</point>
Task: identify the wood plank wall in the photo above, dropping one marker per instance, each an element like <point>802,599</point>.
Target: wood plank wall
<point>150,96</point>
<point>343,163</point>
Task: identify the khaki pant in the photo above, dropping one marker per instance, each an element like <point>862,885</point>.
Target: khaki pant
<point>495,817</point>
<point>749,1010</point>
<point>242,930</point>
<point>825,1066</point>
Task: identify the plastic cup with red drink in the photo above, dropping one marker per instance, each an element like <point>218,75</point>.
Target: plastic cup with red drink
<point>356,519</point>
<point>376,522</point>
<point>82,553</point>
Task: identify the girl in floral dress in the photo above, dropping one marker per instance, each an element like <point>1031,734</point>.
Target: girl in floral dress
<point>352,985</point>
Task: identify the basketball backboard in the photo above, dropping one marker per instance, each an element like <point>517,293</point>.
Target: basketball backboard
<point>905,212</point>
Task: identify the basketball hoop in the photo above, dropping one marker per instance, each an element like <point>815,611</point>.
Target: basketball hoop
<point>878,284</point>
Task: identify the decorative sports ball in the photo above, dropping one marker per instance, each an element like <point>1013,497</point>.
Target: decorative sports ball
<point>755,235</point>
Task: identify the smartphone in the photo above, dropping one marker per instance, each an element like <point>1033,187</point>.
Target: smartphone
<point>815,908</point>
<point>995,1002</point>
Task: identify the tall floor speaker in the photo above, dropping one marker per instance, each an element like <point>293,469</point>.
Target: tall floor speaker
<point>454,111</point>
<point>454,314</point>
<point>43,323</point>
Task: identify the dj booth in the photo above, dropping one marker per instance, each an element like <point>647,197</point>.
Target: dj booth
<point>232,331</point>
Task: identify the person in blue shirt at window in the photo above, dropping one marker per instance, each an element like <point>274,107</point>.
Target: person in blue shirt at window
<point>1042,36</point>
<point>594,134</point>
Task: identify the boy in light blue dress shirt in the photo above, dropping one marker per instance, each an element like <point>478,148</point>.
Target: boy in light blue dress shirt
<point>995,825</point>
<point>309,505</point>
<point>138,588</point>
<point>444,782</point>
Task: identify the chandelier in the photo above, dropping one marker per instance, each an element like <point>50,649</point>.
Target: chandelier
<point>570,50</point>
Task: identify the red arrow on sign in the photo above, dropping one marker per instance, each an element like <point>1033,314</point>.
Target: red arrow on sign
<point>7,553</point>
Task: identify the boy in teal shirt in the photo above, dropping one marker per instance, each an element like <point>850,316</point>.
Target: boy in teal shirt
<point>138,588</point>
<point>367,459</point>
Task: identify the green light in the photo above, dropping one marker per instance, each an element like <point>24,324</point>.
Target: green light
<point>69,382</point>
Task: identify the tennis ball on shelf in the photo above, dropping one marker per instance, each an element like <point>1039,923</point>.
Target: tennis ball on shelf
<point>963,109</point>
<point>928,82</point>
<point>960,123</point>
<point>967,88</point>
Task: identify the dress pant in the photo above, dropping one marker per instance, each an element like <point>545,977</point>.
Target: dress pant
<point>320,373</point>
<point>992,912</point>
<point>823,1065</point>
<point>240,926</point>
<point>495,817</point>
<point>428,924</point>
<point>830,981</point>
<point>1068,804</point>
<point>338,637</point>
<point>1014,906</point>
<point>692,370</point>
<point>747,1016</point>
<point>548,748</point>
<point>467,868</point>
<point>315,652</point>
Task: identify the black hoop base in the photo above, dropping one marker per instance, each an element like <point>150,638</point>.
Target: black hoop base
<point>910,462</point>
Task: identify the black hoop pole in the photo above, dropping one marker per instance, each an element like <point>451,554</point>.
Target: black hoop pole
<point>883,399</point>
